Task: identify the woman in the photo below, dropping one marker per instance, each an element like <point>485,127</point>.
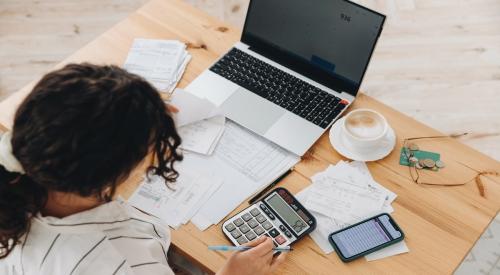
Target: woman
<point>76,137</point>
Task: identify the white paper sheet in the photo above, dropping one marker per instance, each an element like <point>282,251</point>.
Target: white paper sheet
<point>395,249</point>
<point>202,136</point>
<point>161,62</point>
<point>246,162</point>
<point>179,205</point>
<point>191,108</point>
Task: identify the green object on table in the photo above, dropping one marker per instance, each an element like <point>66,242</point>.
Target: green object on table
<point>403,160</point>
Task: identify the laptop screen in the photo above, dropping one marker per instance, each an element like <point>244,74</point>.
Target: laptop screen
<point>330,41</point>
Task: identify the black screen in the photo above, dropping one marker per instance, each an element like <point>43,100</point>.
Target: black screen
<point>335,37</point>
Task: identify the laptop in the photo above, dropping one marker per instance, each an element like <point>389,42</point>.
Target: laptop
<point>299,64</point>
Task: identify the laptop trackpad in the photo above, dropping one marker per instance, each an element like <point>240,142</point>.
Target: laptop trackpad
<point>251,111</point>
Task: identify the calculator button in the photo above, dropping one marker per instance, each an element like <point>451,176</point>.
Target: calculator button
<point>270,215</point>
<point>255,212</point>
<point>282,227</point>
<point>244,229</point>
<point>288,234</point>
<point>259,230</point>
<point>260,218</point>
<point>238,222</point>
<point>267,225</point>
<point>246,217</point>
<point>241,240</point>
<point>263,207</point>
<point>250,235</point>
<point>230,227</point>
<point>252,223</point>
<point>273,232</point>
<point>280,239</point>
<point>236,234</point>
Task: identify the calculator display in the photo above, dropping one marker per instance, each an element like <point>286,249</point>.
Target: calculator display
<point>286,213</point>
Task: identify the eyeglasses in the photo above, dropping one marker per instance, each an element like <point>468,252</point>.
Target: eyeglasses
<point>415,175</point>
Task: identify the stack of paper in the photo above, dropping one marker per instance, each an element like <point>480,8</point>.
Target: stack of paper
<point>161,62</point>
<point>210,187</point>
<point>176,205</point>
<point>246,162</point>
<point>199,122</point>
<point>344,194</point>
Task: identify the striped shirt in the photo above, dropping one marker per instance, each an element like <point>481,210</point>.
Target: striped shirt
<point>114,238</point>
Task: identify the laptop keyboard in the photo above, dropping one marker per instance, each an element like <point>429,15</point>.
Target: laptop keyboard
<point>279,87</point>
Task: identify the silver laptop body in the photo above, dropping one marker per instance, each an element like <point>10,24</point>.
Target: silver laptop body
<point>243,88</point>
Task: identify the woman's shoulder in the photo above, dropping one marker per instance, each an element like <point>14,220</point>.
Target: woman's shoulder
<point>103,239</point>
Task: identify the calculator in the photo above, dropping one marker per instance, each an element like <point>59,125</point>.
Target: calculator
<point>278,215</point>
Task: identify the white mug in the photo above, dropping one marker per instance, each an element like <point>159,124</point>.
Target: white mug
<point>364,129</point>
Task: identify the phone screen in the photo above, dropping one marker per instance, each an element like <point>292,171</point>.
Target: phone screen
<point>365,236</point>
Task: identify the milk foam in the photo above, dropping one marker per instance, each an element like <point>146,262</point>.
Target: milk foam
<point>365,125</point>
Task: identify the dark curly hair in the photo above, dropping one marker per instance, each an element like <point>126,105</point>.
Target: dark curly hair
<point>82,130</point>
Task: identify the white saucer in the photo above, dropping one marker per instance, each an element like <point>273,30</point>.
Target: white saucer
<point>343,147</point>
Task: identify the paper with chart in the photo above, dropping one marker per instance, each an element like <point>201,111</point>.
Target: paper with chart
<point>176,205</point>
<point>344,194</point>
<point>161,62</point>
<point>246,162</point>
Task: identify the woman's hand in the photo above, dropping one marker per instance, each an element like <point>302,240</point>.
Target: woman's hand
<point>255,261</point>
<point>172,109</point>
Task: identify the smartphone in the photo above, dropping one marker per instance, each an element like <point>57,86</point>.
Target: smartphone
<point>365,237</point>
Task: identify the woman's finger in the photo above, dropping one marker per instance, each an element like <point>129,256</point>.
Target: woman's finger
<point>264,245</point>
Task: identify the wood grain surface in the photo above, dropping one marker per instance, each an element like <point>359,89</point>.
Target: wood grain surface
<point>437,61</point>
<point>441,223</point>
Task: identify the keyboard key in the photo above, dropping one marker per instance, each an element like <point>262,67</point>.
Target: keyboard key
<point>280,239</point>
<point>273,232</point>
<point>250,235</point>
<point>230,227</point>
<point>252,223</point>
<point>238,222</point>
<point>246,217</point>
<point>236,234</point>
<point>255,212</point>
<point>259,230</point>
<point>241,240</point>
<point>260,218</point>
<point>244,229</point>
<point>267,225</point>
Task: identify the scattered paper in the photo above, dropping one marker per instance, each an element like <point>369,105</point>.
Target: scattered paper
<point>191,108</point>
<point>175,206</point>
<point>246,162</point>
<point>344,194</point>
<point>202,136</point>
<point>161,62</point>
<point>395,249</point>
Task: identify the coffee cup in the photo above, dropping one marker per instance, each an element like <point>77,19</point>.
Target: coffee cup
<point>364,129</point>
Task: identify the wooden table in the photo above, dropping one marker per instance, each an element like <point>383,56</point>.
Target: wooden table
<point>441,223</point>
